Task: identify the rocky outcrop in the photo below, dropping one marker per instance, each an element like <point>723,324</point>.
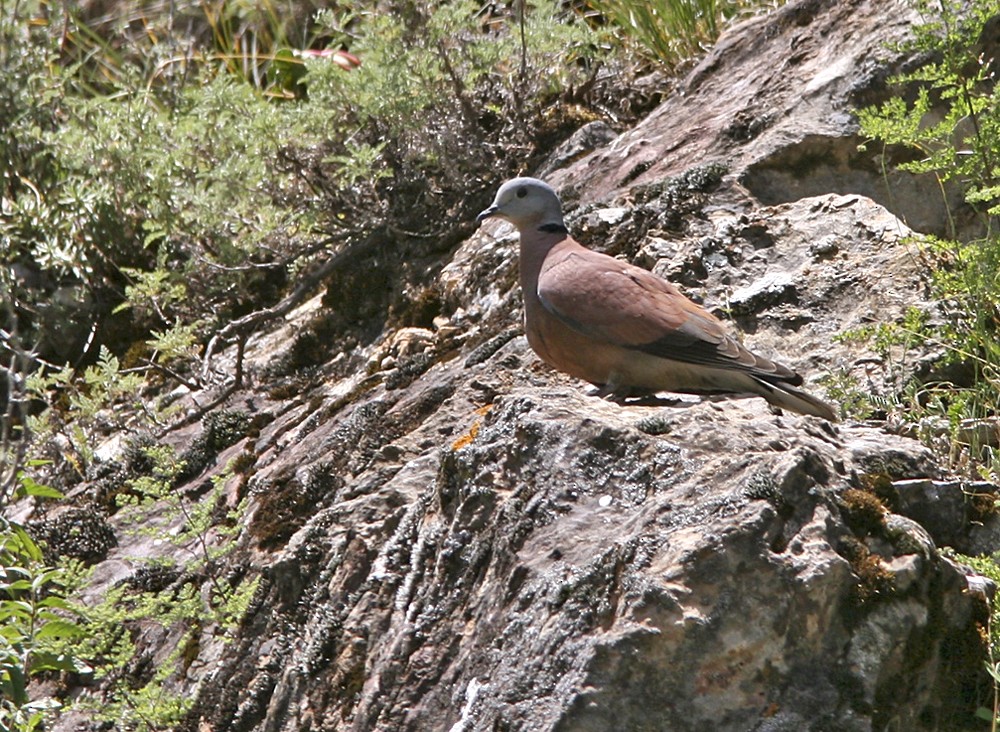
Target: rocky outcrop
<point>774,100</point>
<point>461,539</point>
<point>578,566</point>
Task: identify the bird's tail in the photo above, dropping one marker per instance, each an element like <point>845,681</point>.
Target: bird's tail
<point>786,396</point>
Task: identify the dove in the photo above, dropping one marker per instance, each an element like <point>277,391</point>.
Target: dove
<point>620,327</point>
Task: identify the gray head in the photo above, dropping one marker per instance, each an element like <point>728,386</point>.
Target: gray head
<point>528,203</point>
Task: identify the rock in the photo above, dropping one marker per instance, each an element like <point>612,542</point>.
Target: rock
<point>611,216</point>
<point>939,506</point>
<point>785,125</point>
<point>508,591</point>
<point>769,290</point>
<point>964,515</point>
<point>590,137</point>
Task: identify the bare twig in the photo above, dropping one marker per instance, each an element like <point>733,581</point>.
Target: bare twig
<point>282,263</point>
<point>13,439</point>
<point>242,327</point>
<point>468,110</point>
<point>151,365</point>
<point>521,11</point>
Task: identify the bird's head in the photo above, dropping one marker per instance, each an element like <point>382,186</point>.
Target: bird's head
<point>528,203</point>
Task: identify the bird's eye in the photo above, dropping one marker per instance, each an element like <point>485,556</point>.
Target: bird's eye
<point>522,192</point>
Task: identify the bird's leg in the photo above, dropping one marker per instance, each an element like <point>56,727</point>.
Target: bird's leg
<point>613,392</point>
<point>626,396</point>
<point>604,391</point>
<point>651,400</point>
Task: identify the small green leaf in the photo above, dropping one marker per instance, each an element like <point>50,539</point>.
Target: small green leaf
<point>27,546</point>
<point>59,603</point>
<point>30,487</point>
<point>17,586</point>
<point>17,607</point>
<point>11,631</point>
<point>286,71</point>
<point>59,629</point>
<point>46,661</point>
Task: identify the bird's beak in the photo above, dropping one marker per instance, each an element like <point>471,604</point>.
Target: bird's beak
<point>487,213</point>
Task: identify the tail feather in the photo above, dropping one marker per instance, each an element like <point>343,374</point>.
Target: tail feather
<point>786,396</point>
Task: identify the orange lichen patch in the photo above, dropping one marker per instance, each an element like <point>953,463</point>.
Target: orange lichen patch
<point>469,436</point>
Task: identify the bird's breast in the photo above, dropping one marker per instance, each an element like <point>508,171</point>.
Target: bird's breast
<point>566,349</point>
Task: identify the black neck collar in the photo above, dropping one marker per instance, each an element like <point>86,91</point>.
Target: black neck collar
<point>553,229</point>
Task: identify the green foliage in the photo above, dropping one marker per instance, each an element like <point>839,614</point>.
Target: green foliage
<point>28,487</point>
<point>151,700</point>
<point>177,343</point>
<point>896,345</point>
<point>155,485</point>
<point>233,605</point>
<point>948,114</point>
<point>434,79</point>
<point>104,397</point>
<point>153,503</point>
<point>38,630</point>
<point>142,702</point>
<point>951,118</point>
<point>673,31</point>
<point>195,182</point>
<point>49,228</point>
<point>157,186</point>
<point>186,601</point>
<point>888,338</point>
<point>853,400</point>
<point>36,623</point>
<point>246,36</point>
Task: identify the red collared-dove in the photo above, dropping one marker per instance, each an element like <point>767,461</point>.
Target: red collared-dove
<point>622,328</point>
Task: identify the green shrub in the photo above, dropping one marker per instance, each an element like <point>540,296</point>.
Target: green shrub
<point>37,623</point>
<point>946,117</point>
<point>945,122</point>
<point>137,692</point>
<point>186,601</point>
<point>673,31</point>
